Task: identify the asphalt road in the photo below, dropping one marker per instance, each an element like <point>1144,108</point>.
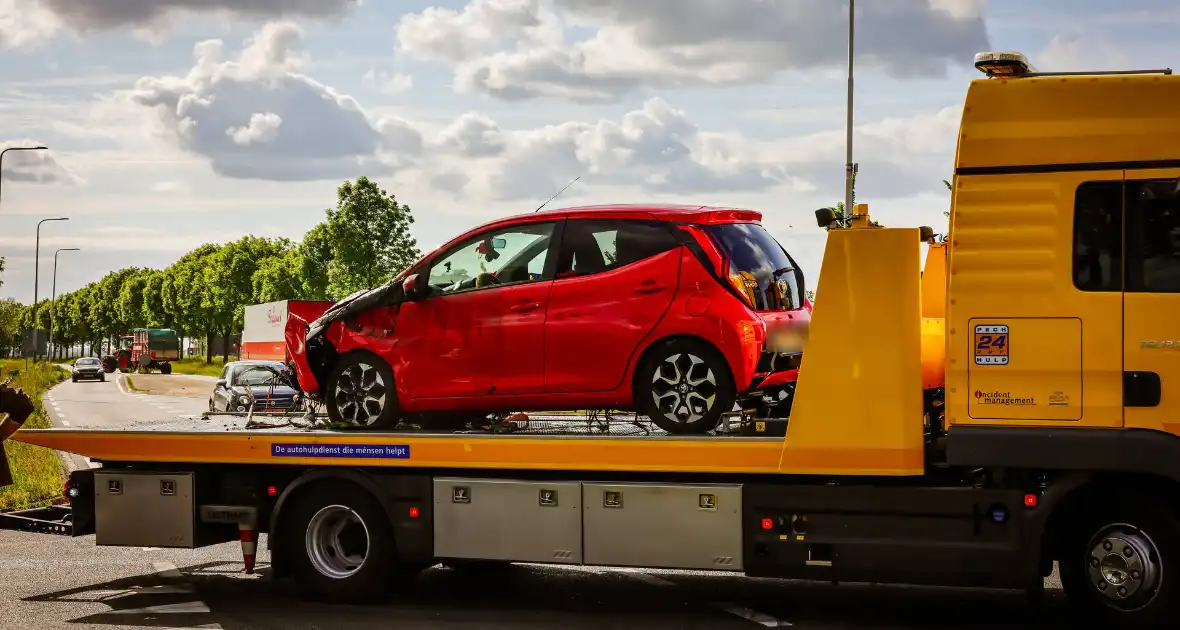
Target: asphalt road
<point>111,405</point>
<point>57,582</point>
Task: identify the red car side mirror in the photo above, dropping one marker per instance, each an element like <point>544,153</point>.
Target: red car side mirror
<point>410,286</point>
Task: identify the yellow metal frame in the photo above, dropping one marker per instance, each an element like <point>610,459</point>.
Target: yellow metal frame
<point>857,409</point>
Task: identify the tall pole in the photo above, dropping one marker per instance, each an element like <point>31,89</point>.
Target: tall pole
<point>36,274</point>
<point>37,148</point>
<point>53,300</point>
<point>849,166</point>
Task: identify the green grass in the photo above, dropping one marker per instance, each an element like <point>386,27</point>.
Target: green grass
<point>197,365</point>
<point>36,471</point>
<point>131,385</point>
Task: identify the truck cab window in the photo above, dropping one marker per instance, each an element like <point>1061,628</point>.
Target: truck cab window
<point>1098,236</point>
<point>1153,236</point>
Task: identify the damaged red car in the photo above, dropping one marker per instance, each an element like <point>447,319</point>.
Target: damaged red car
<point>674,312</point>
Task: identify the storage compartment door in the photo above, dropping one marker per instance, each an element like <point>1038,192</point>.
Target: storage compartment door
<point>664,526</point>
<point>521,521</point>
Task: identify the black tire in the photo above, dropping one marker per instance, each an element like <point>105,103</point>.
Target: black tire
<point>166,368</point>
<point>684,386</point>
<point>363,582</point>
<point>1152,533</point>
<point>102,378</point>
<point>74,379</point>
<point>374,404</point>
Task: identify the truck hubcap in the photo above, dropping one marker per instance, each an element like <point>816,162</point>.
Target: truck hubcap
<point>684,388</point>
<point>337,541</point>
<point>360,394</point>
<point>1124,566</point>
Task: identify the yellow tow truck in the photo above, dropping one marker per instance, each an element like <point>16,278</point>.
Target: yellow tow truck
<point>972,423</point>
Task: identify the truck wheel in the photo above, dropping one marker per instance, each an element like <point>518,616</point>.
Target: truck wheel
<point>1113,567</point>
<point>166,368</point>
<point>684,386</point>
<point>340,545</point>
<point>360,392</point>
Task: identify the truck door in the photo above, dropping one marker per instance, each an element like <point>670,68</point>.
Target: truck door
<point>1151,328</point>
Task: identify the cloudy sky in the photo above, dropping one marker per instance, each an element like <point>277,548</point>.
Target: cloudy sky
<point>175,122</point>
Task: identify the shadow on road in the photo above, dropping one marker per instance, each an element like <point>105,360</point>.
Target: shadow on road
<point>218,595</point>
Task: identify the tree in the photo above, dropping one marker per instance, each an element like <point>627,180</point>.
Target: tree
<point>10,329</point>
<point>229,278</point>
<point>1,271</point>
<point>183,294</point>
<point>369,234</point>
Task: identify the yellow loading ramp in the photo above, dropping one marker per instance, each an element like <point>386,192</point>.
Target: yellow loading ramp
<point>857,409</point>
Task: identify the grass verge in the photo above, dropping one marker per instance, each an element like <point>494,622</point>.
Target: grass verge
<point>131,385</point>
<point>197,366</point>
<point>36,471</point>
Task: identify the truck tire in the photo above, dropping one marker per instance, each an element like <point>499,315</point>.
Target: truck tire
<point>360,392</point>
<point>166,368</point>
<point>340,545</point>
<point>1113,564</point>
<point>684,386</point>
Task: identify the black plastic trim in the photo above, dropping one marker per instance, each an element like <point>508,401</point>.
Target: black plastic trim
<point>1018,169</point>
<point>1077,449</point>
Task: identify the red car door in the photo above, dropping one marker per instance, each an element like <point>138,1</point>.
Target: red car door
<point>615,279</point>
<point>479,333</point>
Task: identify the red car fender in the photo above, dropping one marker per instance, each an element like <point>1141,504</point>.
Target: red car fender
<point>703,304</point>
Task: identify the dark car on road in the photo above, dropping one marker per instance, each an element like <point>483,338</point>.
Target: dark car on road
<point>261,386</point>
<point>87,368</point>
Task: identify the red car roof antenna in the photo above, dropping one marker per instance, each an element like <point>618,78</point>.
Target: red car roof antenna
<point>557,194</point>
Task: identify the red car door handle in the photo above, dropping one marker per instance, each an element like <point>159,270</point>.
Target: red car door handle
<point>524,307</point>
<point>647,287</point>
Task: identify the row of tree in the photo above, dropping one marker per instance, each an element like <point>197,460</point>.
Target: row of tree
<point>363,242</point>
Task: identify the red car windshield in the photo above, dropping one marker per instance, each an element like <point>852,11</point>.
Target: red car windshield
<point>752,251</point>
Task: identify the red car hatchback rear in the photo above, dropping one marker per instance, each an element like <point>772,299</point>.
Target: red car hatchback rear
<point>676,312</point>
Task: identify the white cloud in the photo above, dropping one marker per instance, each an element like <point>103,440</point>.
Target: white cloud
<point>25,24</point>
<point>1070,53</point>
<point>33,166</point>
<point>391,84</point>
<point>307,130</point>
<point>516,49</point>
<point>655,148</point>
<point>262,128</point>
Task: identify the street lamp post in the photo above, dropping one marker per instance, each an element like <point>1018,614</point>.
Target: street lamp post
<point>36,273</point>
<point>849,165</point>
<point>36,148</point>
<point>53,300</point>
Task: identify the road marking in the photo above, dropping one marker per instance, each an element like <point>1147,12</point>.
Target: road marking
<point>64,422</point>
<point>164,609</point>
<point>90,463</point>
<point>644,577</point>
<point>752,615</point>
<point>166,569</point>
